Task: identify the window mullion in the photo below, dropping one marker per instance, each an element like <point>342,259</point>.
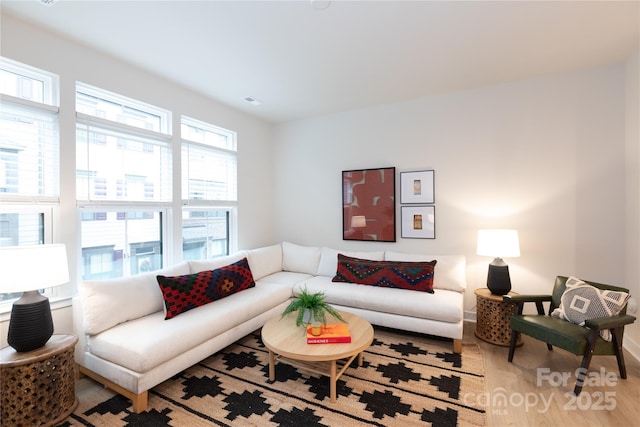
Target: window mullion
<point>101,123</point>
<point>29,104</point>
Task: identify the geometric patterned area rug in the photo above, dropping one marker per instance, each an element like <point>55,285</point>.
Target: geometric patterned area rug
<point>406,379</point>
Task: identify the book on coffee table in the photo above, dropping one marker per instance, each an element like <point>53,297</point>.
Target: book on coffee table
<point>334,333</point>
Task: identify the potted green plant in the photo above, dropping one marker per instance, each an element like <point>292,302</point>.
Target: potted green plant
<point>311,307</point>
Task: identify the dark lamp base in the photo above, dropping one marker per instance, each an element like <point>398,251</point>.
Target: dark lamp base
<point>31,324</point>
<point>498,280</point>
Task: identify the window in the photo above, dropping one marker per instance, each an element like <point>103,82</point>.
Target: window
<point>123,183</point>
<point>209,188</point>
<point>28,83</point>
<point>29,141</point>
<point>116,244</point>
<point>124,178</point>
<point>205,233</point>
<point>123,149</point>
<point>209,162</point>
<point>21,228</point>
<point>29,156</point>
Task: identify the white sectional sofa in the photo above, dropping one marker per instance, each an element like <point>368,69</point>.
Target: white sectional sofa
<point>126,343</point>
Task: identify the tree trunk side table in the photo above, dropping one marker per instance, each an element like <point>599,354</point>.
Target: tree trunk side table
<point>493,318</point>
<point>38,386</point>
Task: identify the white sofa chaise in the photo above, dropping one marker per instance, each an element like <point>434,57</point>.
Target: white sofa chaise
<point>126,344</point>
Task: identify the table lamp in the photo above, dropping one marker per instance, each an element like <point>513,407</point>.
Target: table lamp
<point>28,269</point>
<point>498,244</point>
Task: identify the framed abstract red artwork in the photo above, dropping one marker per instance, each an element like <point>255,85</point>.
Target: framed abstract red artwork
<point>368,204</point>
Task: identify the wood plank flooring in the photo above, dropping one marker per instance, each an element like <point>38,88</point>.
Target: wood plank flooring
<point>531,391</point>
<point>514,397</point>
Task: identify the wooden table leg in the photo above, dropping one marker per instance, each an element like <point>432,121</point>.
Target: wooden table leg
<point>360,357</point>
<point>333,380</point>
<point>272,366</point>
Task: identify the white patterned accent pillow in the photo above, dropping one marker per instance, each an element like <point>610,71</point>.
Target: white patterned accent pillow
<point>581,301</point>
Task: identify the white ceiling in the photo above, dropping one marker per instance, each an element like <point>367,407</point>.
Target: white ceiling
<point>300,61</point>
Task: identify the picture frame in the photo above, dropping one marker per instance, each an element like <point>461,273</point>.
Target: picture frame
<point>368,204</point>
<point>417,187</point>
<point>418,222</point>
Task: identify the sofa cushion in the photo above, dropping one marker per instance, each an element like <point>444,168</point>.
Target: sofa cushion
<point>196,266</point>
<point>265,261</point>
<point>450,272</point>
<point>183,293</point>
<point>443,305</point>
<point>106,303</point>
<point>300,259</point>
<point>581,301</point>
<point>145,343</point>
<point>414,276</point>
<point>286,278</point>
<point>329,259</point>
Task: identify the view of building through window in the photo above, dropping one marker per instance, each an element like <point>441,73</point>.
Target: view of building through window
<point>123,159</point>
<point>124,185</point>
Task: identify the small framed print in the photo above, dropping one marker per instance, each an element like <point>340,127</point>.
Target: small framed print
<point>417,187</point>
<point>418,222</point>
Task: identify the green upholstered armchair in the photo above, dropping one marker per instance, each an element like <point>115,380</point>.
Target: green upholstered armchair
<point>580,340</point>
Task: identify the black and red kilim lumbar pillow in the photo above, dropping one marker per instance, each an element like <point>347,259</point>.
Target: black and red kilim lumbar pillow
<point>182,293</point>
<point>416,276</point>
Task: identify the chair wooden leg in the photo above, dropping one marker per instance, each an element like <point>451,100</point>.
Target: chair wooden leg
<point>512,345</point>
<point>617,343</point>
<point>586,360</point>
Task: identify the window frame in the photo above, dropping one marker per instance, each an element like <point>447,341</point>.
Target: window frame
<point>47,205</point>
<point>204,204</point>
<point>230,151</point>
<point>91,205</point>
<point>50,81</point>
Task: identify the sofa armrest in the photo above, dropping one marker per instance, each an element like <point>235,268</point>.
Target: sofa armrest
<point>78,329</point>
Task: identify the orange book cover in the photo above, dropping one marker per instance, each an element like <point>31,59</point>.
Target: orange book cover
<point>334,333</point>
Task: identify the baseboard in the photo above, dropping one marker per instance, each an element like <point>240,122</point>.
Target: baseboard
<point>470,316</point>
<point>632,347</point>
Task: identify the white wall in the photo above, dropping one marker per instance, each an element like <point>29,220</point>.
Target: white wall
<point>73,62</point>
<point>632,193</point>
<point>544,156</point>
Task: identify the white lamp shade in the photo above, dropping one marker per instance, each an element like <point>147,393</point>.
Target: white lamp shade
<point>29,268</point>
<point>498,243</point>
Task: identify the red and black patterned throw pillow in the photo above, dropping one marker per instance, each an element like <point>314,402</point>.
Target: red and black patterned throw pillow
<point>415,276</point>
<point>182,293</point>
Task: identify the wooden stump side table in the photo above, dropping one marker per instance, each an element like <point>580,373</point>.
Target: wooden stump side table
<point>493,318</point>
<point>38,386</point>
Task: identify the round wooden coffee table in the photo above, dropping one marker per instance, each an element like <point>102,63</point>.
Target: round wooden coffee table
<point>286,340</point>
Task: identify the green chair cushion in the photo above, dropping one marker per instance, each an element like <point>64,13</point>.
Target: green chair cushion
<point>559,333</point>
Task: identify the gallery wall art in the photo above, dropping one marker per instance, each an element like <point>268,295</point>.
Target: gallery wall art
<point>368,204</point>
<point>417,222</point>
<point>417,187</point>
